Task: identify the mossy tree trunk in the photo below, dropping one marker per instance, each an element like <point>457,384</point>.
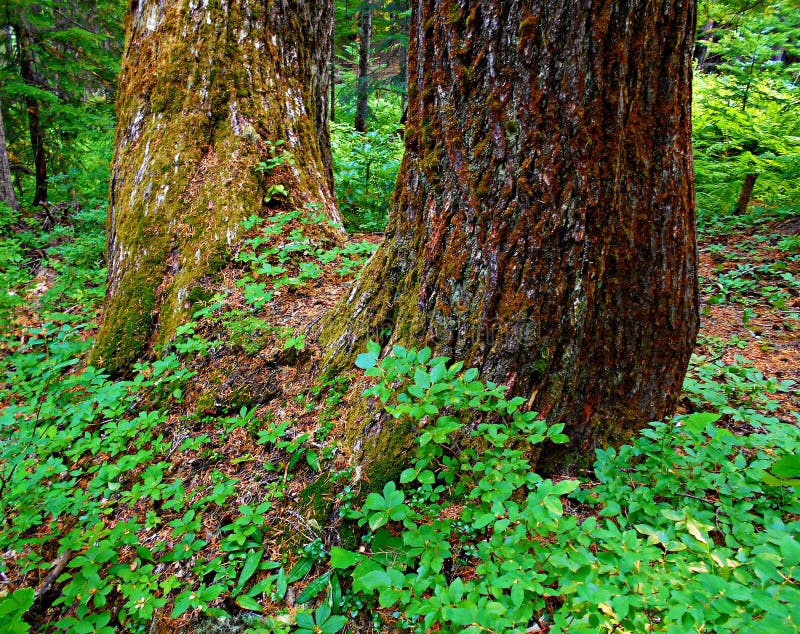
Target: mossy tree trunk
<point>7,194</point>
<point>207,91</point>
<point>543,227</point>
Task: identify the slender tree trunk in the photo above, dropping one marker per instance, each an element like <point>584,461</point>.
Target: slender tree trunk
<point>543,227</point>
<point>404,80</point>
<point>28,75</point>
<point>701,47</point>
<point>333,82</point>
<point>207,91</point>
<point>746,193</point>
<point>750,73</point>
<point>7,194</point>
<point>364,44</point>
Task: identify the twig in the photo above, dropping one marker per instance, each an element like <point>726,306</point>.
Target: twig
<point>42,601</point>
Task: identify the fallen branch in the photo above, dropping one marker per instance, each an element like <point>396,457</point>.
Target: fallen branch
<point>57,567</point>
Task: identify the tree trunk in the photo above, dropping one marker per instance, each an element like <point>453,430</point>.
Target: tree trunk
<point>543,228</point>
<point>701,46</point>
<point>333,82</point>
<point>362,89</point>
<point>404,79</point>
<point>7,194</point>
<point>28,75</point>
<point>207,92</point>
<point>745,195</point>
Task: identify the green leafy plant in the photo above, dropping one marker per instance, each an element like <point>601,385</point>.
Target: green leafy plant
<point>365,168</point>
<point>686,508</point>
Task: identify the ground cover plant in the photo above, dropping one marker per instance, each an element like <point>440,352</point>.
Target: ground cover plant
<point>92,477</point>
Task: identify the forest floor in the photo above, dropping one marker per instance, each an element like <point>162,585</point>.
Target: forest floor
<point>250,429</point>
<point>750,303</point>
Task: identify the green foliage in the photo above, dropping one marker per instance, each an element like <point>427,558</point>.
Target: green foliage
<point>389,47</point>
<point>12,257</point>
<point>77,448</point>
<point>737,390</point>
<point>705,530</point>
<point>690,528</point>
<point>744,105</point>
<point>73,50</point>
<point>13,608</point>
<point>365,169</point>
<point>278,255</point>
<point>276,158</point>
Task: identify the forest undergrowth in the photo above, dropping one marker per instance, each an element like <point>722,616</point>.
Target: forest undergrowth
<point>207,491</point>
<point>210,491</point>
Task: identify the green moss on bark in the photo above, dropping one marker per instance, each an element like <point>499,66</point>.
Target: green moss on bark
<point>203,95</point>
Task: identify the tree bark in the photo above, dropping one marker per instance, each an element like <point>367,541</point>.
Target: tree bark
<point>362,89</point>
<point>7,194</point>
<point>543,227</point>
<point>206,92</point>
<point>745,194</point>
<point>333,82</point>
<point>404,79</point>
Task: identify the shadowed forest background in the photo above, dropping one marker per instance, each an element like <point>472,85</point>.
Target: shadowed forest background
<point>251,437</point>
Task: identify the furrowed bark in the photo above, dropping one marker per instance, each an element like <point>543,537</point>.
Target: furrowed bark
<point>207,91</point>
<point>543,227</point>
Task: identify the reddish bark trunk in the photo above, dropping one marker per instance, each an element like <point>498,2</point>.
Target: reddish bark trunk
<point>543,228</point>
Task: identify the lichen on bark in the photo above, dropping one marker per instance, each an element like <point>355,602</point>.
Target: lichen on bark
<point>208,89</point>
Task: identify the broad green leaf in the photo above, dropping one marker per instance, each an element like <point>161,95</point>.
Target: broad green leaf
<point>333,624</point>
<point>300,569</point>
<point>248,603</point>
<point>312,458</point>
<point>313,589</point>
<point>787,467</point>
<point>698,421</point>
<point>463,614</point>
<point>341,558</point>
<point>366,360</point>
<point>250,566</point>
<point>373,580</point>
<point>305,620</point>
<point>281,584</point>
<point>565,486</point>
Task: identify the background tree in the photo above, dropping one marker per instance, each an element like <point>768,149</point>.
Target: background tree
<point>543,228</point>
<point>746,97</point>
<point>217,105</point>
<point>58,61</point>
<point>366,164</point>
<point>382,60</point>
<point>7,194</point>
<point>364,44</point>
